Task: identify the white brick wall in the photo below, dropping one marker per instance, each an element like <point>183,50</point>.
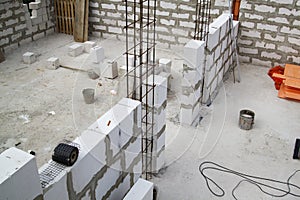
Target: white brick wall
<point>19,27</point>
<point>270,21</point>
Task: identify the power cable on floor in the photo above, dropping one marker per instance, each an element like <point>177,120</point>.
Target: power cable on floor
<point>255,180</point>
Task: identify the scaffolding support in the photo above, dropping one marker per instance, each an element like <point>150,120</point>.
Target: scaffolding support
<point>140,45</point>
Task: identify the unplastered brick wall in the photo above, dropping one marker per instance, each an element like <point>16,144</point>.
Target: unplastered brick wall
<point>269,31</point>
<point>174,25</point>
<point>18,27</point>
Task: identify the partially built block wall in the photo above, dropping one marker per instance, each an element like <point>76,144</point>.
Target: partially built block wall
<point>205,66</point>
<point>109,161</point>
<point>220,54</point>
<point>18,27</point>
<point>108,165</point>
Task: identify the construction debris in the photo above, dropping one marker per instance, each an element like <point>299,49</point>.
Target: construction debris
<point>53,63</point>
<point>29,58</point>
<point>289,81</point>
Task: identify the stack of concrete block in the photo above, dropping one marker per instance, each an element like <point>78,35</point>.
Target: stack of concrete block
<point>220,54</point>
<point>75,49</point>
<point>164,69</point>
<point>109,161</point>
<point>88,45</point>
<point>192,81</point>
<point>141,190</point>
<point>19,178</point>
<point>130,61</point>
<point>159,119</point>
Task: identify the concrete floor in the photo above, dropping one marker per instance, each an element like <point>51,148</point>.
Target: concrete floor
<point>266,150</point>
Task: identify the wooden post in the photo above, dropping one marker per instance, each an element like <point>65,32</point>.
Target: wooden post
<point>81,20</point>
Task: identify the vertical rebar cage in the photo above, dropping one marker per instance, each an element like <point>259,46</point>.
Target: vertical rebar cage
<point>140,64</point>
<point>202,20</point>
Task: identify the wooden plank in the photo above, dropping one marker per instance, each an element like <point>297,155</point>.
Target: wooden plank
<point>79,20</point>
<point>60,19</point>
<point>69,16</point>
<point>293,82</point>
<point>281,76</point>
<point>66,16</point>
<point>288,81</point>
<point>292,70</point>
<point>56,15</point>
<point>86,21</point>
<point>72,15</point>
<point>62,15</point>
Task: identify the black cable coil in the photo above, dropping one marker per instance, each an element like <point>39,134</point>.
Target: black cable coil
<point>65,154</point>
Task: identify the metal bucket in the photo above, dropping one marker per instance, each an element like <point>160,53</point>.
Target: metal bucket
<point>88,95</point>
<point>246,120</point>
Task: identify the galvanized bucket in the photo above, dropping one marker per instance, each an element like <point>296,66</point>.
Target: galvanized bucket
<point>88,95</point>
<point>246,119</point>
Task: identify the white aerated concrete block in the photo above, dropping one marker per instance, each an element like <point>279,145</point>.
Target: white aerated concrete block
<point>161,141</point>
<point>122,189</point>
<point>88,45</point>
<point>75,50</point>
<point>159,119</point>
<point>97,54</point>
<point>57,189</point>
<point>213,38</point>
<point>130,60</point>
<point>111,70</point>
<point>168,76</point>
<point>117,123</point>
<point>190,99</point>
<point>188,115</point>
<point>222,23</point>
<point>193,53</point>
<point>159,161</point>
<point>90,160</point>
<point>34,5</point>
<point>137,170</point>
<point>19,178</point>
<point>160,90</point>
<point>134,105</point>
<point>108,180</point>
<point>141,190</point>
<point>165,64</point>
<point>132,151</point>
<point>29,58</point>
<point>52,63</point>
<point>235,27</point>
<point>192,76</point>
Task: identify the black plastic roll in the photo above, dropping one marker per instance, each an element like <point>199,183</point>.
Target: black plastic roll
<point>65,154</point>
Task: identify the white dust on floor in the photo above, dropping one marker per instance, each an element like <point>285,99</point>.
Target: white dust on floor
<point>266,150</point>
